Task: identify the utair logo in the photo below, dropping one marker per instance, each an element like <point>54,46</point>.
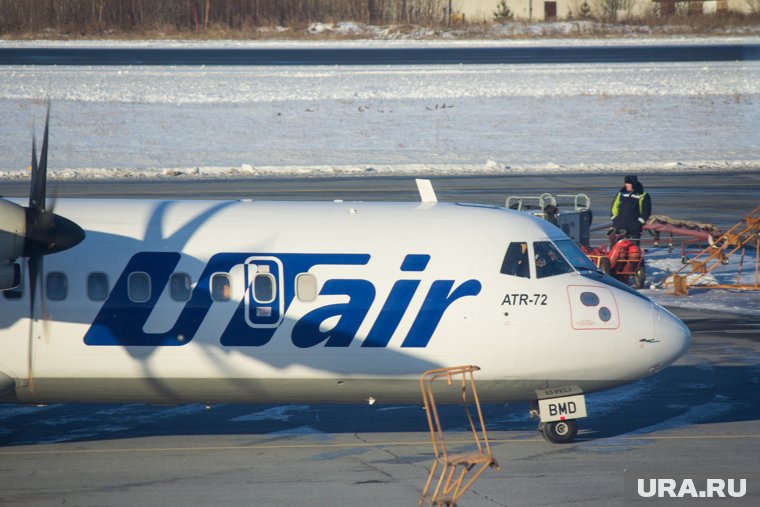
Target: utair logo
<point>122,321</point>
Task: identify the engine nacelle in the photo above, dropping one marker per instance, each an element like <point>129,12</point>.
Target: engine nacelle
<point>12,230</point>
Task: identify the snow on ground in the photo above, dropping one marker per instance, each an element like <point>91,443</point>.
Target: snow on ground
<point>197,122</point>
<point>484,119</point>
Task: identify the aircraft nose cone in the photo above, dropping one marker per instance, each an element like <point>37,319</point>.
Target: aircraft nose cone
<point>673,339</point>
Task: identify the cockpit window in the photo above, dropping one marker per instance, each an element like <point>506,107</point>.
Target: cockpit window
<point>574,255</point>
<point>516,260</point>
<point>549,262</point>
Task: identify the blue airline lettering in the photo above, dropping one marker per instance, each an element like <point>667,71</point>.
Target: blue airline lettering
<point>120,321</point>
<point>395,306</point>
<point>391,314</point>
<point>361,294</point>
<point>439,298</point>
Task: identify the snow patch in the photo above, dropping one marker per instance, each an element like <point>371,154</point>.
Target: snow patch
<point>283,413</point>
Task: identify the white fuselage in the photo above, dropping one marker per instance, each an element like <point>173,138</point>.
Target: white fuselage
<point>321,302</point>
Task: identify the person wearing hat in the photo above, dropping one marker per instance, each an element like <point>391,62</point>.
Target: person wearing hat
<point>631,207</point>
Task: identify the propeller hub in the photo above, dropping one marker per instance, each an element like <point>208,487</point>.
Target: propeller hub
<point>48,233</point>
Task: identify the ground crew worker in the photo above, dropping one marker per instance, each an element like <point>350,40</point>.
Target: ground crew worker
<point>631,207</point>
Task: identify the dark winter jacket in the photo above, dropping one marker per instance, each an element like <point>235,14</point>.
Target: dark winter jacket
<point>631,210</point>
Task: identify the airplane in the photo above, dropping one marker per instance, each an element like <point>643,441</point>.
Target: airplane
<point>246,301</point>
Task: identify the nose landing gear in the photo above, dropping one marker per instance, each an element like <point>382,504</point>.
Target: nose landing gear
<point>559,415</point>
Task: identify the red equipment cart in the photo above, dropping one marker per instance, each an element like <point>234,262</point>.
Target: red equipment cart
<point>623,260</point>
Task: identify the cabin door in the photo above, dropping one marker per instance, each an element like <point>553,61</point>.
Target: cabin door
<point>264,292</point>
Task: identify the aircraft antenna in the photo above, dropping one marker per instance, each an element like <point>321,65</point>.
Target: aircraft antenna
<point>427,194</point>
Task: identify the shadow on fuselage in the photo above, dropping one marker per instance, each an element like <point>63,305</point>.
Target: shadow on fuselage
<point>120,322</point>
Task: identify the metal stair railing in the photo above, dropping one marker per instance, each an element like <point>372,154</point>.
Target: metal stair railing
<point>742,235</point>
<point>453,480</point>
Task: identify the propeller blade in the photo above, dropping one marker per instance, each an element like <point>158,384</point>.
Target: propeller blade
<point>39,180</point>
<point>46,232</point>
<point>41,189</point>
<point>32,202</point>
<point>35,269</point>
<point>52,201</point>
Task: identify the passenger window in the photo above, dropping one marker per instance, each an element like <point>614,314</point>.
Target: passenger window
<point>306,287</point>
<point>179,287</point>
<point>56,286</point>
<point>97,286</point>
<point>263,288</point>
<point>549,262</point>
<point>221,289</point>
<point>516,260</point>
<point>139,287</point>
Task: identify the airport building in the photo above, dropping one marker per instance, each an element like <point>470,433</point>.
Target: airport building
<point>548,10</point>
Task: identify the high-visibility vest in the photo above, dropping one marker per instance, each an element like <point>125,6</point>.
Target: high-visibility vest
<point>616,203</point>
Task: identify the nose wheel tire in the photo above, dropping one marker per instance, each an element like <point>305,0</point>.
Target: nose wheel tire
<point>560,432</point>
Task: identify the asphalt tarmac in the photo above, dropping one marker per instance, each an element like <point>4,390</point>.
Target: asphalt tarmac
<point>377,55</point>
<point>719,198</point>
<point>697,418</point>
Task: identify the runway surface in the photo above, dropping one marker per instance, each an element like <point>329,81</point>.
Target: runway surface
<point>379,55</point>
<point>697,418</point>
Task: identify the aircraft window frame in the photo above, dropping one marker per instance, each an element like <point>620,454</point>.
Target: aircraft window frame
<point>574,255</point>
<point>187,285</point>
<point>516,263</point>
<point>92,292</point>
<point>56,286</point>
<point>131,288</point>
<point>226,295</point>
<point>309,293</point>
<point>255,288</point>
<point>555,263</point>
